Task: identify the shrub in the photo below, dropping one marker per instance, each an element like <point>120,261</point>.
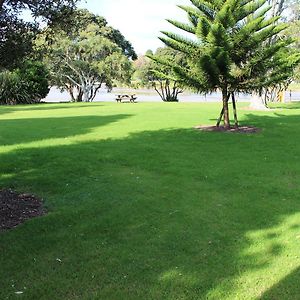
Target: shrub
<point>28,84</point>
<point>11,88</point>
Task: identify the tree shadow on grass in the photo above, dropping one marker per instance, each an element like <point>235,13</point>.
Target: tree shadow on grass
<point>37,129</point>
<point>45,106</point>
<point>159,215</point>
<point>287,288</point>
<point>70,105</point>
<point>6,109</point>
<point>294,105</point>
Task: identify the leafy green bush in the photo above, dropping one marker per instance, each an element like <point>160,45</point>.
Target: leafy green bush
<point>28,84</point>
<point>11,88</point>
<point>35,76</point>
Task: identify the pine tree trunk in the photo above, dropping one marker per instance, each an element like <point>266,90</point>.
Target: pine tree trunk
<point>220,118</point>
<point>236,123</point>
<point>226,109</point>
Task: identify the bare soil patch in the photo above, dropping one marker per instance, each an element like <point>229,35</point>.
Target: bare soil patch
<point>240,129</point>
<point>16,208</point>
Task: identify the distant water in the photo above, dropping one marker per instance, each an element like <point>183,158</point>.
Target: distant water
<point>144,95</point>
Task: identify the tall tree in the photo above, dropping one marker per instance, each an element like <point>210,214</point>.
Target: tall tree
<point>230,50</point>
<point>79,19</point>
<point>287,11</point>
<point>16,35</point>
<point>83,58</point>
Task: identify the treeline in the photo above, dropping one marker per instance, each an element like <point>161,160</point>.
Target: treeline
<point>76,51</point>
<point>229,46</point>
<point>217,48</point>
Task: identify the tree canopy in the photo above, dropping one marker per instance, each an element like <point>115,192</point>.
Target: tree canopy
<point>80,19</point>
<point>83,58</point>
<point>228,48</point>
<point>16,35</point>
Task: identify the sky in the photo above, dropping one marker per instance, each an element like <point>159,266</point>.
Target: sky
<point>140,21</point>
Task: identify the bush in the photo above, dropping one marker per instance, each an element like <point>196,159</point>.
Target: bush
<point>11,88</point>
<point>28,84</point>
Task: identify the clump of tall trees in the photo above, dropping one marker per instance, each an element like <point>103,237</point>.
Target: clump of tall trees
<point>17,35</point>
<point>72,49</point>
<point>23,78</point>
<point>85,56</point>
<point>230,46</point>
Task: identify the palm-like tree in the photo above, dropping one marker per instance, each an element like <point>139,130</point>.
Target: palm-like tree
<point>230,49</point>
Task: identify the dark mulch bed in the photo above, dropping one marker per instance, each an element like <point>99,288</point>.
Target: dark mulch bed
<point>16,208</point>
<point>241,129</point>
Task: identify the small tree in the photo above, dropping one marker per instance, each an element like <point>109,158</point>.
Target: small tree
<point>230,49</point>
<point>149,72</point>
<point>162,76</point>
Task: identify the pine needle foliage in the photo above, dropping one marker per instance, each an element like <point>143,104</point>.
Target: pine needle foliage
<point>228,48</point>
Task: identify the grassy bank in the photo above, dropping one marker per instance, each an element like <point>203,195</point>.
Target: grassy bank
<point>142,206</point>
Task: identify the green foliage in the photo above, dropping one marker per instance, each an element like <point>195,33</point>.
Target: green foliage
<point>294,33</point>
<point>81,19</point>
<point>83,58</point>
<point>15,41</point>
<point>36,77</point>
<point>28,84</point>
<point>234,48</point>
<point>11,88</point>
<point>48,9</point>
<point>16,36</point>
<point>150,71</point>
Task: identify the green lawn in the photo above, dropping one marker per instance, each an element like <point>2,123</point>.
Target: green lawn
<point>142,206</point>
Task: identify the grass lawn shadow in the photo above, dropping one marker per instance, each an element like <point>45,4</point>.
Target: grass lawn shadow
<point>165,214</point>
<point>287,288</point>
<point>50,128</point>
<point>6,109</point>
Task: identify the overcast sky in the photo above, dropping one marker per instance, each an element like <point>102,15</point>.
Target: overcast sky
<point>140,21</point>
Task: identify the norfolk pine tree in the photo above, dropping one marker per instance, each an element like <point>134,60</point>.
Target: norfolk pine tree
<point>229,49</point>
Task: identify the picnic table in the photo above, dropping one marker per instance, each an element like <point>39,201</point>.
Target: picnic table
<point>126,97</point>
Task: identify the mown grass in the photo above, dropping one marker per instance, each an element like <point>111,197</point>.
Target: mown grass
<point>142,206</point>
